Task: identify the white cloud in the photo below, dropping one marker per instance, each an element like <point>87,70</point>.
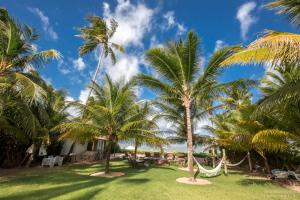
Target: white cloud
<point>164,125</point>
<point>62,67</point>
<point>199,125</point>
<point>219,45</point>
<point>171,22</point>
<point>169,16</point>
<point>126,67</point>
<point>84,94</point>
<point>73,111</point>
<point>79,64</point>
<point>45,22</point>
<point>134,21</point>
<point>245,18</point>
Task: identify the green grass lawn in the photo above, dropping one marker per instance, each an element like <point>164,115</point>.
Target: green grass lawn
<point>158,183</point>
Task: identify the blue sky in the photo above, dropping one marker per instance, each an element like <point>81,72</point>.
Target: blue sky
<point>142,24</point>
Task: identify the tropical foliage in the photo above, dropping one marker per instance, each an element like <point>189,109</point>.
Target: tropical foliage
<point>98,35</point>
<point>185,94</point>
<point>112,112</point>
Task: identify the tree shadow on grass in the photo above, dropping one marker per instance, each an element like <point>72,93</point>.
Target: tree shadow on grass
<point>93,187</point>
<point>68,182</point>
<point>135,181</point>
<point>247,182</point>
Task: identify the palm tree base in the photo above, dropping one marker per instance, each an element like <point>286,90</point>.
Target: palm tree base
<point>196,181</point>
<point>108,175</point>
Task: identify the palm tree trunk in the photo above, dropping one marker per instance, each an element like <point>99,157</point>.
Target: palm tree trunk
<point>265,161</point>
<point>31,157</point>
<point>135,150</point>
<point>100,60</point>
<point>108,156</point>
<point>249,161</point>
<point>187,105</point>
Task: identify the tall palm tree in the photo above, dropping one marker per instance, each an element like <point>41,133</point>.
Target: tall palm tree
<point>180,80</point>
<point>110,113</point>
<point>17,53</point>
<point>99,34</point>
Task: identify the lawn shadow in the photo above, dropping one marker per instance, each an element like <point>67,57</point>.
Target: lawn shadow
<point>249,181</point>
<point>70,180</point>
<point>135,181</point>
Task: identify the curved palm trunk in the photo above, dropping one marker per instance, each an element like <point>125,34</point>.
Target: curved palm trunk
<point>96,72</point>
<point>187,105</point>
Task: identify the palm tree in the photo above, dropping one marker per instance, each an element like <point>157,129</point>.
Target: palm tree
<point>180,80</point>
<point>23,125</point>
<point>274,46</point>
<point>17,54</point>
<point>174,114</point>
<point>291,8</point>
<point>110,113</point>
<point>238,131</point>
<point>99,34</point>
<point>143,110</point>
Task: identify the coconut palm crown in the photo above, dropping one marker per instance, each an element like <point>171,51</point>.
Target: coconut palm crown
<point>17,54</point>
<point>180,80</point>
<point>99,34</point>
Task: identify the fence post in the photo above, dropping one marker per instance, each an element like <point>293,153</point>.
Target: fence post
<point>225,162</point>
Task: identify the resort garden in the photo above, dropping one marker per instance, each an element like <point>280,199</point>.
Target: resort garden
<point>250,150</point>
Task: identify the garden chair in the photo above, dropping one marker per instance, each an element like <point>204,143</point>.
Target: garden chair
<point>52,161</point>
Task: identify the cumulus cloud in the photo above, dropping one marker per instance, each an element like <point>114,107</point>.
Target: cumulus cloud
<point>171,23</point>
<point>134,21</point>
<point>170,18</point>
<point>245,17</point>
<point>48,29</point>
<point>84,94</point>
<point>126,67</point>
<point>219,45</point>
<point>79,64</point>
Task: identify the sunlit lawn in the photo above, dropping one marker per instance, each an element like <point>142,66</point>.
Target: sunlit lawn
<point>153,183</point>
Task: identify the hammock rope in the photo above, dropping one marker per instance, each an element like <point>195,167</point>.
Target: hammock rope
<point>209,172</point>
<point>238,163</point>
<point>215,171</point>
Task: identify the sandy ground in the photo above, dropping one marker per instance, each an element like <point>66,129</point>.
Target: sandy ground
<point>109,175</point>
<point>197,182</point>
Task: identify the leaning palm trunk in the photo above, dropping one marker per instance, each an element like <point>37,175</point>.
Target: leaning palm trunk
<point>100,60</point>
<point>187,106</point>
